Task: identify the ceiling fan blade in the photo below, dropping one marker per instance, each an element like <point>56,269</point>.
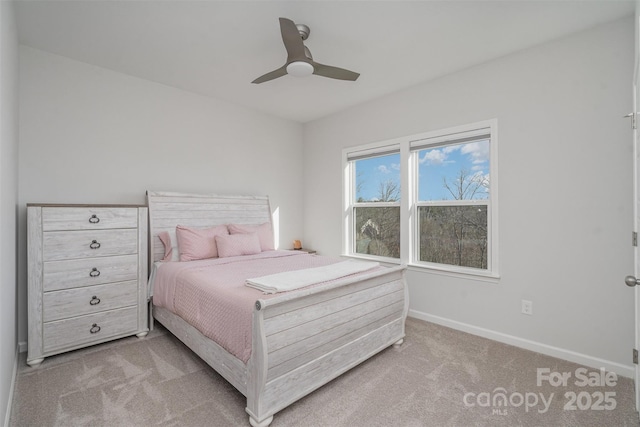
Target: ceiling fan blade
<point>334,72</point>
<point>292,40</point>
<point>282,71</point>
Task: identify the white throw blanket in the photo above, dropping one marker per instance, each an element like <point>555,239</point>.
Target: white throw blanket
<point>290,280</point>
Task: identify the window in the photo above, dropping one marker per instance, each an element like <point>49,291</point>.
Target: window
<point>375,205</point>
<point>448,209</point>
<point>453,194</point>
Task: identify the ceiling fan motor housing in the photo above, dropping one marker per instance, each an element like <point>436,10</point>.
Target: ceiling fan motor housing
<point>303,30</point>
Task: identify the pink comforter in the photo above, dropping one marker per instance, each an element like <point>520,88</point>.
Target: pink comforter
<point>211,294</point>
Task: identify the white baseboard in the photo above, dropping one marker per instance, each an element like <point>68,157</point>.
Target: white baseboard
<point>7,416</point>
<point>22,346</point>
<point>561,353</point>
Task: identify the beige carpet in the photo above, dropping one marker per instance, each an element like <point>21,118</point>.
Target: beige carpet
<point>432,380</point>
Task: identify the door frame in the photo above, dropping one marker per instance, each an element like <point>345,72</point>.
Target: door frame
<point>636,195</point>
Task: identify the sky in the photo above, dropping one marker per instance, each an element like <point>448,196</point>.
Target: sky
<point>435,165</point>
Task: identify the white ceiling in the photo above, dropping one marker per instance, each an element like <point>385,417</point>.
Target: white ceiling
<point>216,48</point>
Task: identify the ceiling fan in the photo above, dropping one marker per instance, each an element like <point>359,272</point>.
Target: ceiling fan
<point>300,63</point>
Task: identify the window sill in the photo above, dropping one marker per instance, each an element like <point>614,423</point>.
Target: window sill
<point>480,276</point>
<point>382,260</point>
<point>462,274</point>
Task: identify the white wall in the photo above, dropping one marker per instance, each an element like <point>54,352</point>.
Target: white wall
<point>8,199</point>
<point>90,135</point>
<point>565,171</point>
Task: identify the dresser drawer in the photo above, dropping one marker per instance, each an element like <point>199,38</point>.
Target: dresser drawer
<point>91,299</point>
<point>58,245</point>
<point>75,273</point>
<point>88,329</point>
<point>88,218</point>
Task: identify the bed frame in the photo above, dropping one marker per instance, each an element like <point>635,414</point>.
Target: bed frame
<point>301,340</point>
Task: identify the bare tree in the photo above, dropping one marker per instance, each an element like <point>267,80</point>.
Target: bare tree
<point>466,186</point>
<point>359,185</point>
<point>379,227</point>
<point>389,191</point>
<point>457,234</point>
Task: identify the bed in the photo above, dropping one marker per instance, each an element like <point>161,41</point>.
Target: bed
<point>299,340</point>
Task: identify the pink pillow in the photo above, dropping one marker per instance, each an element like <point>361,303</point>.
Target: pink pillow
<point>265,233</point>
<point>198,243</point>
<point>165,238</point>
<point>238,244</point>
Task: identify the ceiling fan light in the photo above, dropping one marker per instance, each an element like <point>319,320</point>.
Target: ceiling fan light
<point>300,69</point>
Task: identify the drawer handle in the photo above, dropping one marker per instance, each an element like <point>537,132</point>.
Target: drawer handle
<point>94,329</point>
<point>94,219</point>
<point>94,300</point>
<point>94,272</point>
<point>94,244</point>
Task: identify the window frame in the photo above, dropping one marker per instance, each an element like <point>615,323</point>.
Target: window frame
<point>409,147</point>
<point>350,204</point>
<point>448,137</point>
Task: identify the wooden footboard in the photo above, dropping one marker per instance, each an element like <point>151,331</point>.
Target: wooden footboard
<point>301,342</point>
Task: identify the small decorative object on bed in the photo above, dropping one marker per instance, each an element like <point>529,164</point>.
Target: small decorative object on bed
<point>274,347</point>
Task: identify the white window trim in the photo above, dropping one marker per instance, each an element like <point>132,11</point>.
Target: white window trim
<point>348,154</point>
<point>409,197</point>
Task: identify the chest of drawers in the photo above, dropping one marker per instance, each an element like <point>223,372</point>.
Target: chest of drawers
<point>87,276</point>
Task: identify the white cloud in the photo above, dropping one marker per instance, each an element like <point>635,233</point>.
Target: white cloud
<point>383,169</point>
<point>435,156</point>
<point>451,148</point>
<point>479,151</point>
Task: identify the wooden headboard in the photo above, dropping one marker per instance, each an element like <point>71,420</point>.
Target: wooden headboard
<point>167,210</point>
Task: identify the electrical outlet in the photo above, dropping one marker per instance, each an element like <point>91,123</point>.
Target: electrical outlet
<point>527,307</point>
